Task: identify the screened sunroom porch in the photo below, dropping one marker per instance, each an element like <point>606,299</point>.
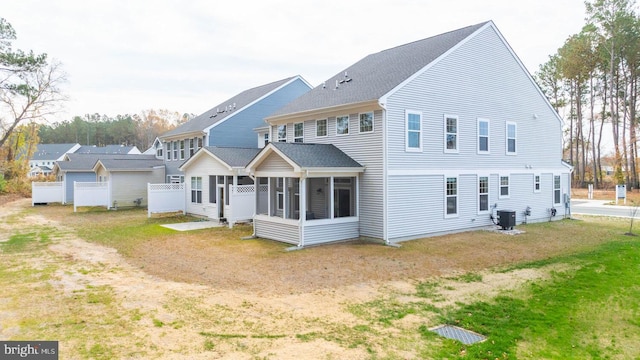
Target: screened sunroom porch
<point>306,205</point>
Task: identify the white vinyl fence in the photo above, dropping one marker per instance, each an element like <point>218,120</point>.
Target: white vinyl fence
<point>90,194</point>
<point>47,192</point>
<point>166,198</point>
<point>243,203</point>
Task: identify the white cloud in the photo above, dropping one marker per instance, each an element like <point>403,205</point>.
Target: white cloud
<point>126,56</point>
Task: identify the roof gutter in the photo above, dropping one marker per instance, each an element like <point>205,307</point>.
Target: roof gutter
<point>322,111</point>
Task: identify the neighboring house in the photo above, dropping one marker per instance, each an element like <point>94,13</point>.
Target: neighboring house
<point>79,167</point>
<point>109,149</point>
<point>127,177</point>
<point>230,123</point>
<point>46,155</point>
<point>426,138</point>
<point>217,184</point>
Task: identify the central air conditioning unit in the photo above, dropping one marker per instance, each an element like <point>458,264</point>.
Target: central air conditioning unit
<point>506,219</point>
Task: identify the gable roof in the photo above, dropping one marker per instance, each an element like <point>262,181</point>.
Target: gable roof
<point>233,157</point>
<point>129,164</point>
<point>52,151</point>
<point>377,74</point>
<point>108,149</point>
<point>308,156</point>
<point>85,162</point>
<point>226,109</point>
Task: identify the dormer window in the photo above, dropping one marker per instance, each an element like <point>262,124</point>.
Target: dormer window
<point>282,133</point>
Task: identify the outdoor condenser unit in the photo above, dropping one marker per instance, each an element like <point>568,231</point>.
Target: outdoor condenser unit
<point>506,219</point>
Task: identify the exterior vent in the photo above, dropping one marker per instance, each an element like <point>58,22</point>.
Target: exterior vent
<point>506,219</point>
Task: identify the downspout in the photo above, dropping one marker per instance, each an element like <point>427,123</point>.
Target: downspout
<point>385,193</point>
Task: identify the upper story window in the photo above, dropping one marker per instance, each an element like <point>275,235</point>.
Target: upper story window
<point>159,153</point>
<point>413,126</point>
<point>511,138</point>
<point>450,133</point>
<point>321,127</point>
<point>483,136</point>
<point>298,132</point>
<point>191,147</point>
<point>181,149</point>
<point>282,133</point>
<point>536,183</point>
<point>168,150</point>
<point>342,125</point>
<point>265,139</point>
<point>199,143</point>
<point>366,122</point>
<point>175,150</point>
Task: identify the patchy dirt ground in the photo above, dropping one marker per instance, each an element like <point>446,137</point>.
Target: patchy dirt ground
<point>183,291</point>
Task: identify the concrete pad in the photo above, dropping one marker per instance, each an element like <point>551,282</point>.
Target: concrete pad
<point>193,225</point>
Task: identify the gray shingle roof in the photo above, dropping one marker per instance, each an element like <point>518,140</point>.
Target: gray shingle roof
<point>212,115</point>
<point>377,74</point>
<point>316,155</point>
<point>234,157</point>
<point>85,162</point>
<point>131,164</point>
<point>51,151</point>
<point>109,149</point>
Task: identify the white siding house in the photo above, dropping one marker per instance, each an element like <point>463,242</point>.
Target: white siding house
<point>218,186</point>
<point>448,131</point>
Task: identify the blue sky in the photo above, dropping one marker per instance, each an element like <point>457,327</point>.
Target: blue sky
<point>187,56</point>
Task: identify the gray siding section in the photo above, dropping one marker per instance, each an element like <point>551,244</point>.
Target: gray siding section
<point>366,149</point>
<point>320,234</point>
<point>70,177</point>
<point>479,79</point>
<point>417,203</point>
<point>276,231</point>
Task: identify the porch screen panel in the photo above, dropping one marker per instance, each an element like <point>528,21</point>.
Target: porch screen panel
<point>293,198</point>
<point>344,196</point>
<point>317,198</point>
<point>212,189</point>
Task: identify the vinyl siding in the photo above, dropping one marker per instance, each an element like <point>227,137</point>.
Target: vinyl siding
<point>70,177</point>
<point>480,79</point>
<point>274,162</point>
<point>204,166</point>
<point>314,235</point>
<point>417,203</point>
<point>237,131</point>
<point>366,149</point>
<point>288,233</point>
<point>126,186</point>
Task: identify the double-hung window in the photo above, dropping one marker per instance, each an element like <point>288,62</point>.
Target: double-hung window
<point>413,126</point>
<point>483,136</point>
<point>282,133</point>
<point>191,146</point>
<point>511,138</point>
<point>483,194</point>
<point>536,183</point>
<point>451,196</point>
<point>298,132</point>
<point>556,189</point>
<point>196,189</point>
<point>342,125</point>
<point>168,144</point>
<point>450,133</point>
<point>366,122</point>
<point>321,128</point>
<point>175,150</point>
<point>504,187</point>
<point>181,149</point>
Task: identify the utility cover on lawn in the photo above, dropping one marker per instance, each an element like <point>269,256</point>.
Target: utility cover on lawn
<point>453,332</point>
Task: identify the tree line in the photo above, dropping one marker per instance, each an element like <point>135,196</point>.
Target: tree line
<point>100,130</point>
<point>593,79</point>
